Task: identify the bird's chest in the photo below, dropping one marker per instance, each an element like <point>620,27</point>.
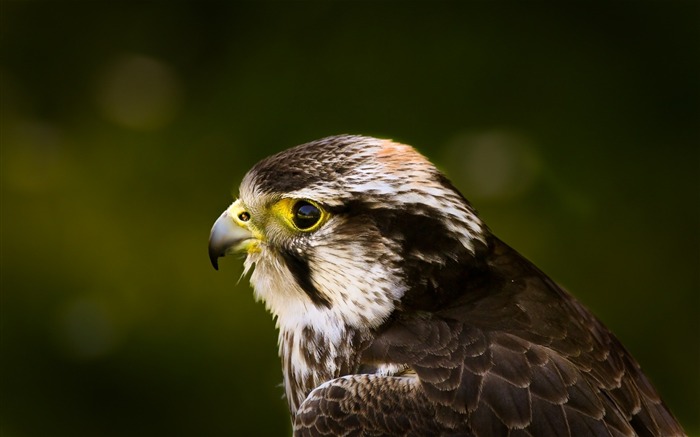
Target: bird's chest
<point>310,358</point>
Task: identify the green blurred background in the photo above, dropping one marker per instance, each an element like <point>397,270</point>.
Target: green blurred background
<point>126,126</point>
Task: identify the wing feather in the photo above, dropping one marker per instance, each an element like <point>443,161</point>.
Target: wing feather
<point>516,357</point>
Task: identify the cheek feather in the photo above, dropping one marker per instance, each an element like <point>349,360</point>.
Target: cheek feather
<point>362,290</point>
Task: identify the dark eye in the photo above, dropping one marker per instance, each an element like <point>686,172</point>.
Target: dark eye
<point>305,215</point>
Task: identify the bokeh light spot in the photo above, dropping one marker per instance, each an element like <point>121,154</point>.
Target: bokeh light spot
<point>139,92</point>
<point>86,328</point>
<point>492,165</point>
<point>33,158</point>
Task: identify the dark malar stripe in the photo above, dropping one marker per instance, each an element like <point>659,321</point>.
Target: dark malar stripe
<point>302,274</point>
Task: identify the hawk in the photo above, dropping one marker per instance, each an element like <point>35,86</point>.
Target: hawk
<point>400,313</point>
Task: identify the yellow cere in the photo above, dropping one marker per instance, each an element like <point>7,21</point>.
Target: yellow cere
<point>235,211</point>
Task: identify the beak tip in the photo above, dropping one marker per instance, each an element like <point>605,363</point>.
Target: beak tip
<point>214,259</point>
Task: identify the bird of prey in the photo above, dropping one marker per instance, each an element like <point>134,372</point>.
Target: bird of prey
<point>401,314</point>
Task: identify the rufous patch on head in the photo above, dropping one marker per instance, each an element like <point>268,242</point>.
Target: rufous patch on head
<point>397,155</point>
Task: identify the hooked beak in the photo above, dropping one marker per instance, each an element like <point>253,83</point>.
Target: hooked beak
<point>226,236</point>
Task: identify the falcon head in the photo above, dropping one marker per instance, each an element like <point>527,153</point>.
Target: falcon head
<point>336,228</point>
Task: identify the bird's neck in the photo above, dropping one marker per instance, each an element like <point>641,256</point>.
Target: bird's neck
<point>312,355</point>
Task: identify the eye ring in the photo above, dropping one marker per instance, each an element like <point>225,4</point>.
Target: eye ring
<point>306,215</point>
